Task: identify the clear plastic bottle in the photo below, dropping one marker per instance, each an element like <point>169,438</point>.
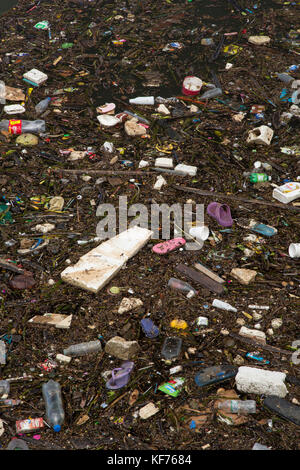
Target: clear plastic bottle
<point>211,94</point>
<point>18,126</point>
<point>182,286</point>
<point>4,388</point>
<point>161,100</point>
<point>42,106</point>
<point>238,406</point>
<point>2,92</point>
<point>83,348</point>
<point>54,406</point>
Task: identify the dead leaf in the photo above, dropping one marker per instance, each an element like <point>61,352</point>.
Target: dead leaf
<point>133,397</point>
<point>82,420</point>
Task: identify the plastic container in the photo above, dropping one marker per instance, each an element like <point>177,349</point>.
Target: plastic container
<point>17,444</point>
<point>191,86</point>
<point>18,126</point>
<point>294,250</point>
<point>83,348</point>
<point>54,406</point>
<point>182,286</point>
<point>4,388</point>
<point>146,100</point>
<point>238,406</point>
<point>259,177</point>
<point>287,192</point>
<point>171,347</point>
<point>211,94</point>
<point>42,106</point>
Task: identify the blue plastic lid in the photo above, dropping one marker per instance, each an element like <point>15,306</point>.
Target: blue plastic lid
<point>57,428</point>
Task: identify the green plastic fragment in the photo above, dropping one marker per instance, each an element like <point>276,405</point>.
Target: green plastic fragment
<point>5,215</point>
<point>67,45</point>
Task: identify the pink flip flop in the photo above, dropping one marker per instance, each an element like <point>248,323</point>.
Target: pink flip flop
<point>169,245</point>
<point>221,213</point>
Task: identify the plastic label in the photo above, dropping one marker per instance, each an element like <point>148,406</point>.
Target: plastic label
<point>15,126</point>
<point>27,425</point>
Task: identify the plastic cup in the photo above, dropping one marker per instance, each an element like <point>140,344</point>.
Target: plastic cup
<point>200,233</point>
<point>191,86</point>
<point>294,250</point>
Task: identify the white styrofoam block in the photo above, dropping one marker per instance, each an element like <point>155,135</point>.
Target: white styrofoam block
<point>164,162</point>
<point>92,273</point>
<point>35,76</point>
<point>261,382</point>
<point>186,169</point>
<point>14,109</point>
<point>126,244</point>
<point>97,267</point>
<point>258,336</point>
<point>260,135</point>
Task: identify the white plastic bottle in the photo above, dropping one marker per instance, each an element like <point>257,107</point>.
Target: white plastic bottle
<point>83,348</point>
<point>54,406</point>
<point>238,406</point>
<point>146,100</point>
<point>223,305</point>
<point>18,126</point>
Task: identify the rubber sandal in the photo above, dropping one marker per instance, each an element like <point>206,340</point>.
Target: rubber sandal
<point>215,374</point>
<point>221,213</point>
<point>283,408</point>
<point>120,376</point>
<point>150,330</point>
<point>169,245</point>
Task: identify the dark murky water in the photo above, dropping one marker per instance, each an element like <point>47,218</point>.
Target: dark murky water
<point>6,5</point>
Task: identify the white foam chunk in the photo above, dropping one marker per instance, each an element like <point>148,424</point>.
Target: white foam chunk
<point>261,382</point>
<point>97,267</point>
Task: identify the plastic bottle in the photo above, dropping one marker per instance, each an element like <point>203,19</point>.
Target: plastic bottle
<point>17,126</point>
<point>211,94</point>
<point>182,286</point>
<point>238,406</point>
<point>2,353</point>
<point>4,388</point>
<point>223,305</point>
<point>284,77</point>
<point>259,177</point>
<point>42,106</point>
<point>17,444</point>
<point>2,92</point>
<point>143,100</point>
<point>53,402</point>
<point>83,348</point>
<point>161,100</point>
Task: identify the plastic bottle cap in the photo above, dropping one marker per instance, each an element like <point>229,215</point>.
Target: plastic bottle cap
<point>57,428</point>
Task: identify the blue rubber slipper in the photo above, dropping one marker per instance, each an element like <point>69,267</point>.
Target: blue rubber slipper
<point>150,330</point>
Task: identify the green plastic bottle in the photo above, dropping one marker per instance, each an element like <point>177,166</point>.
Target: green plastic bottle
<point>259,177</point>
